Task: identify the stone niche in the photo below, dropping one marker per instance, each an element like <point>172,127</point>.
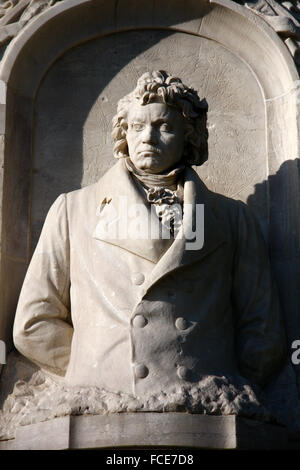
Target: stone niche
<point>61,79</point>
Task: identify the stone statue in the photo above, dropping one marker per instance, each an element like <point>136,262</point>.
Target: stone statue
<point>120,295</point>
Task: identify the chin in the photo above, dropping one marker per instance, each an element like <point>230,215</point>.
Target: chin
<point>149,165</point>
<point>151,169</point>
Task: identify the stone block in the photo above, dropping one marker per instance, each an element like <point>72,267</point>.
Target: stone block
<point>144,430</point>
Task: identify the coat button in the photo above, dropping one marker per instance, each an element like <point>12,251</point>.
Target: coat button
<point>141,371</point>
<point>139,321</point>
<point>181,323</point>
<point>182,372</point>
<point>138,278</point>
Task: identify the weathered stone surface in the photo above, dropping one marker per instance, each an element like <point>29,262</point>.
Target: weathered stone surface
<point>88,95</point>
<point>149,429</point>
<point>283,17</point>
<point>168,362</point>
<point>221,22</point>
<point>36,397</point>
<point>267,71</point>
<point>16,14</point>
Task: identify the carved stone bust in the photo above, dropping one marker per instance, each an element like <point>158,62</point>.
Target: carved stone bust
<point>146,286</point>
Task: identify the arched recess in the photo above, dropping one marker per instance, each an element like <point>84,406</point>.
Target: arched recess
<point>73,22</point>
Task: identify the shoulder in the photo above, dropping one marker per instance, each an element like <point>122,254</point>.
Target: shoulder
<point>91,192</point>
<point>82,194</point>
<point>82,204</point>
<point>232,215</point>
<point>88,195</point>
<point>223,206</point>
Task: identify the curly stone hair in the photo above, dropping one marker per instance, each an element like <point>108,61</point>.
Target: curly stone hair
<point>171,90</point>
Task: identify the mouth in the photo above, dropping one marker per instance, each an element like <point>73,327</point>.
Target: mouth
<point>149,152</point>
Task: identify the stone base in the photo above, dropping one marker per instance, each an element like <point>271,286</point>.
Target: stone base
<point>148,429</point>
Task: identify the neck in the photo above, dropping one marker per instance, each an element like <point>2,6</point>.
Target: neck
<point>168,179</point>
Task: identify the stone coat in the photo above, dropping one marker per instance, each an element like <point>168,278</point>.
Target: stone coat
<point>140,316</point>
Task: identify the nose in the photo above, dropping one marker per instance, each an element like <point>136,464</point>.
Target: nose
<point>149,135</point>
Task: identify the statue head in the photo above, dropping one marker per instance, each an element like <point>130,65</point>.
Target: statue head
<point>161,123</point>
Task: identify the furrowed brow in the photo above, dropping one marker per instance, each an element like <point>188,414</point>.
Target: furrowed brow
<point>162,121</point>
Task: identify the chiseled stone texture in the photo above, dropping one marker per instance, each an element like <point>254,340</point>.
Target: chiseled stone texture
<point>148,429</point>
<point>88,96</point>
<point>89,170</point>
<point>37,398</point>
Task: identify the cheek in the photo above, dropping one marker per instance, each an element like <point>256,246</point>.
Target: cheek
<point>173,144</point>
<point>131,142</point>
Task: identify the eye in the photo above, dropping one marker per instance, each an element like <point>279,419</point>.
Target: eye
<point>137,126</point>
<point>165,127</point>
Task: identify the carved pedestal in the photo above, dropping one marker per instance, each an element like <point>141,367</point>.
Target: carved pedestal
<point>148,429</point>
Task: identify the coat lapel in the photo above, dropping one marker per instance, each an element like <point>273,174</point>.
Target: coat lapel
<point>117,193</point>
<point>125,218</point>
<point>178,255</point>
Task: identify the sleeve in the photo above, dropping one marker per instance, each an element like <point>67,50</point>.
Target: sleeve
<point>43,328</point>
<point>260,333</point>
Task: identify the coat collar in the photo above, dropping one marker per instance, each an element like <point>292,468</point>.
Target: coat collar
<point>184,251</point>
<point>117,188</point>
<point>118,196</point>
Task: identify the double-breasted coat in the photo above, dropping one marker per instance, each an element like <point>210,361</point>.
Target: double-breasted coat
<point>140,316</point>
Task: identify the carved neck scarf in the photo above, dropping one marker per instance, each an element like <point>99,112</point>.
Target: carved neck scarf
<point>163,191</point>
<point>167,180</point>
